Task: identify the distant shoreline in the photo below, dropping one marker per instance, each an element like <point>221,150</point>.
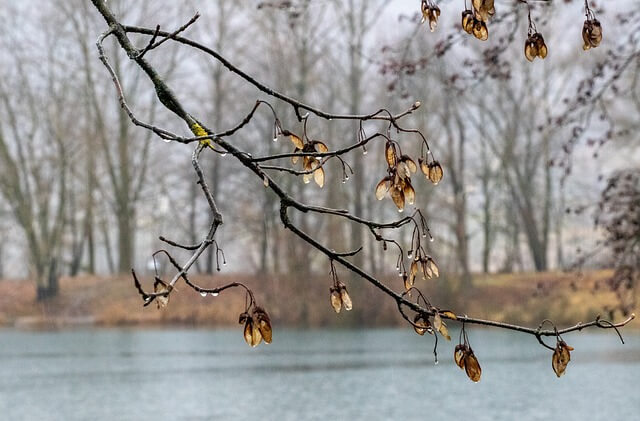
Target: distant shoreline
<point>90,301</point>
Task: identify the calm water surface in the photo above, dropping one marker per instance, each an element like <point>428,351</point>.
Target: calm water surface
<point>308,375</point>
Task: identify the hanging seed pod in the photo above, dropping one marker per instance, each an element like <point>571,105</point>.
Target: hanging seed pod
<point>459,354</point>
<point>263,323</point>
<point>530,49</point>
<point>561,357</point>
<point>542,47</point>
<point>439,326</point>
<point>297,142</point>
<point>336,299</point>
<point>390,154</point>
<point>346,299</point>
<point>318,177</point>
<point>409,192</point>
<point>425,11</point>
<point>432,267</point>
<point>251,332</point>
<point>413,271</point>
<point>435,172</point>
<point>434,14</point>
<point>472,366</point>
<point>398,197</point>
<point>383,188</point>
<point>535,47</point>
<point>467,21</point>
<point>591,34</point>
<point>480,30</point>
<point>319,146</point>
<point>421,325</point>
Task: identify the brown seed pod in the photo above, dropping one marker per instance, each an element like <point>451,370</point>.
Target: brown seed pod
<point>346,299</point>
<point>542,47</point>
<point>561,357</point>
<point>535,47</point>
<point>421,325</point>
<point>397,195</point>
<point>318,177</point>
<point>435,172</point>
<point>530,49</point>
<point>458,355</point>
<point>467,21</point>
<point>480,30</point>
<point>336,299</point>
<point>591,34</point>
<point>472,366</point>
<point>263,323</point>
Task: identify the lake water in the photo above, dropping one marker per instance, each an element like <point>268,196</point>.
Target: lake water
<point>309,375</point>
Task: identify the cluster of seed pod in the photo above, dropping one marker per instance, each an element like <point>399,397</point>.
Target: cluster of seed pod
<point>591,32</point>
<point>397,183</point>
<point>257,326</point>
<point>426,264</point>
<point>310,164</point>
<point>561,357</point>
<point>422,324</point>
<point>340,297</point>
<point>467,361</point>
<point>474,20</point>
<point>432,170</point>
<point>534,47</point>
<point>431,13</point>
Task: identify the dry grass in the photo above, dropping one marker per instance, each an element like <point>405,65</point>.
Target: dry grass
<point>112,301</point>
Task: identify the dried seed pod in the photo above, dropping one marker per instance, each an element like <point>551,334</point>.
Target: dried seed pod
<point>411,164</point>
<point>408,282</point>
<point>383,187</point>
<point>263,323</point>
<point>542,47</point>
<point>561,357</point>
<point>450,315</point>
<point>424,167</point>
<point>432,267</point>
<point>425,11</point>
<point>398,197</point>
<point>459,354</point>
<point>409,192</point>
<point>440,326</point>
<point>472,366</point>
<point>403,170</point>
<point>390,154</point>
<point>346,299</point>
<point>467,21</point>
<point>435,172</point>
<point>318,177</point>
<point>591,34</point>
<point>434,14</point>
<point>320,146</point>
<point>535,47</point>
<point>530,49</point>
<point>421,325</point>
<point>413,271</point>
<point>336,299</point>
<point>252,335</point>
<point>297,142</point>
<point>480,30</point>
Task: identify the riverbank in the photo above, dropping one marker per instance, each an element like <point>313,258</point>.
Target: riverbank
<point>112,301</point>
